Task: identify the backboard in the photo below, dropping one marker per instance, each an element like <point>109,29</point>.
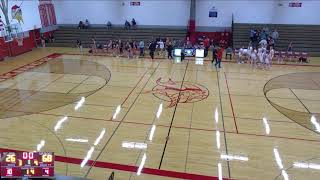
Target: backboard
<point>12,31</point>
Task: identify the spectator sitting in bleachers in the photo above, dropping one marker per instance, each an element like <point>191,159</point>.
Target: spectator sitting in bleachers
<point>263,35</point>
<point>275,34</point>
<point>290,47</point>
<point>127,25</point>
<point>109,25</point>
<point>263,43</point>
<point>87,24</point>
<point>304,59</point>
<point>80,25</point>
<point>134,23</point>
<point>258,35</point>
<point>270,42</point>
<point>266,30</point>
<point>252,34</point>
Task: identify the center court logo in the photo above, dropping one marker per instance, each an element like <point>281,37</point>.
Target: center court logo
<point>179,92</point>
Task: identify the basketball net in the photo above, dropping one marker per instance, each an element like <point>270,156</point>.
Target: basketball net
<point>19,41</point>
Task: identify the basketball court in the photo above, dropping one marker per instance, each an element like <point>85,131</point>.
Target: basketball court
<point>162,119</point>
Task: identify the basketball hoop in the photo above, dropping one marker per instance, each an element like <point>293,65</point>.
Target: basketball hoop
<point>19,41</point>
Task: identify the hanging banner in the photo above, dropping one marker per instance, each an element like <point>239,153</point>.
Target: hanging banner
<point>135,3</point>
<point>295,4</point>
<point>213,12</point>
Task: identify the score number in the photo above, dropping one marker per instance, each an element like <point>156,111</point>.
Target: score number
<point>46,172</point>
<point>11,158</point>
<point>27,155</point>
<point>9,172</point>
<point>29,172</point>
<point>47,158</point>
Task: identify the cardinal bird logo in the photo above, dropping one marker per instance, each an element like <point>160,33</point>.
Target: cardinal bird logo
<point>16,13</point>
<point>179,92</point>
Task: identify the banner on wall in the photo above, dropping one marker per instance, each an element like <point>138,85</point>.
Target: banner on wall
<point>16,13</point>
<point>295,4</point>
<point>135,3</point>
<point>22,13</point>
<point>213,12</point>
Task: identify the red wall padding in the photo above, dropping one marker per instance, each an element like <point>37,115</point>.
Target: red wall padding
<point>3,49</point>
<point>216,36</point>
<point>12,48</point>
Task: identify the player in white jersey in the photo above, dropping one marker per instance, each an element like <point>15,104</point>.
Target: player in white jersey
<point>161,46</point>
<point>271,54</point>
<point>260,55</point>
<point>253,58</point>
<point>250,51</point>
<point>266,60</point>
<point>240,55</point>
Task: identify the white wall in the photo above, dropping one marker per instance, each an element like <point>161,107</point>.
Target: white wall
<point>97,11</point>
<point>150,12</point>
<point>159,12</point>
<point>256,11</point>
<point>244,11</point>
<point>177,12</point>
<point>309,13</point>
<point>30,14</point>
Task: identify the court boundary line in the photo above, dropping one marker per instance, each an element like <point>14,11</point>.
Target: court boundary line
<point>189,130</point>
<point>256,119</point>
<point>300,101</point>
<point>222,119</point>
<point>42,61</point>
<point>121,121</point>
<point>173,115</point>
<point>129,168</point>
<point>234,118</point>
<point>181,127</point>
<point>14,72</point>
<point>272,97</point>
<point>193,59</point>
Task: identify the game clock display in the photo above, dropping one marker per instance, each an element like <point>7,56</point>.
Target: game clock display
<point>27,164</point>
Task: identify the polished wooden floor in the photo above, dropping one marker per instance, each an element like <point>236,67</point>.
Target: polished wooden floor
<point>175,119</point>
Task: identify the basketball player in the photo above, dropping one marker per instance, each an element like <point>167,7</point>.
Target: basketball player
<point>260,55</point>
<point>135,49</point>
<point>161,46</point>
<point>108,46</point>
<point>94,45</point>
<point>239,59</point>
<point>43,41</point>
<point>271,54</point>
<point>266,60</point>
<point>79,45</point>
<point>219,57</point>
<point>169,49</point>
<point>120,47</point>
<point>253,58</point>
<point>128,48</point>
<point>152,49</point>
<point>249,51</point>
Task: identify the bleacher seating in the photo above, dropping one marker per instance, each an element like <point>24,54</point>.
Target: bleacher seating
<point>66,36</point>
<point>305,38</point>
